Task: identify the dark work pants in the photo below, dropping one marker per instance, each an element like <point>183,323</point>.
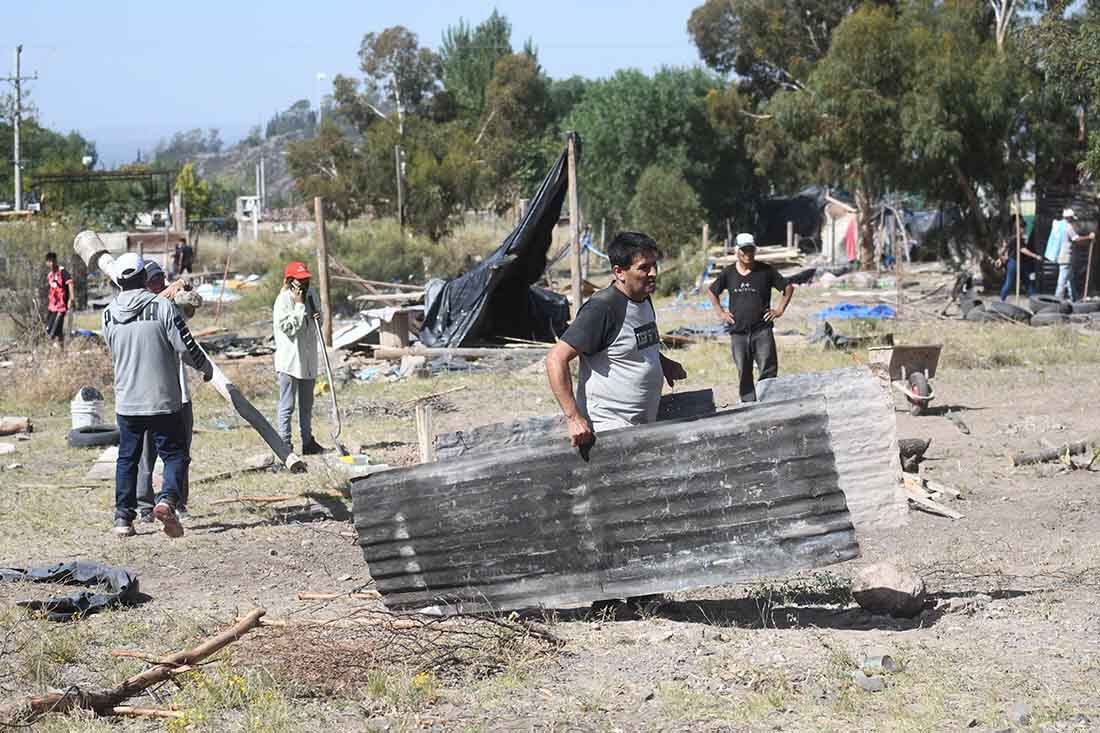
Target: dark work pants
<point>755,347</point>
<point>145,494</point>
<point>168,439</point>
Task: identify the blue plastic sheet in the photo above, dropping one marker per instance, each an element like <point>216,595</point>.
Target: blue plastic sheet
<point>846,311</point>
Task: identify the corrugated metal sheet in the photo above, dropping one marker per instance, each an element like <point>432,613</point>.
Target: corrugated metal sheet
<point>659,508</point>
<point>497,436</point>
<point>864,438</point>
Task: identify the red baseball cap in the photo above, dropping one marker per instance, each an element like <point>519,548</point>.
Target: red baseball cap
<point>297,270</point>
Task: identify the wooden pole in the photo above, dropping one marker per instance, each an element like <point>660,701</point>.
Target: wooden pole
<point>705,239</point>
<point>898,271</point>
<point>1088,268</point>
<point>225,276</point>
<point>400,188</point>
<point>574,229</point>
<point>1019,244</point>
<point>603,235</point>
<point>790,234</point>
<point>322,269</point>
<point>424,433</point>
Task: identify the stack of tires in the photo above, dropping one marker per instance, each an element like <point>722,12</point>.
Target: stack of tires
<point>1042,310</point>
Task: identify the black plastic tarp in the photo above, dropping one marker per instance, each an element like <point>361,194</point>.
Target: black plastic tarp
<point>499,297</point>
<point>120,588</point>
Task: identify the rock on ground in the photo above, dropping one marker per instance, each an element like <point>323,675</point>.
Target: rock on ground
<point>885,588</point>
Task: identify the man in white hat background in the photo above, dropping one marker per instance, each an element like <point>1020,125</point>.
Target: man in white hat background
<point>1060,249</point>
<point>147,338</point>
<point>750,316</point>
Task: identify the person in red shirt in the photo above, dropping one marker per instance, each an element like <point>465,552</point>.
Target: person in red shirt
<point>60,299</point>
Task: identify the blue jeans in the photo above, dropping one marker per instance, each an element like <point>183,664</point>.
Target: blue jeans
<point>1065,281</point>
<point>145,498</point>
<point>168,439</point>
<point>1026,279</point>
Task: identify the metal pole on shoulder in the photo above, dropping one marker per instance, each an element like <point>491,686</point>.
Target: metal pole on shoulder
<point>574,228</point>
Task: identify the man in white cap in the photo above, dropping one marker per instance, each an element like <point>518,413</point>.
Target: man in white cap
<point>750,316</point>
<point>1060,249</point>
<point>147,337</point>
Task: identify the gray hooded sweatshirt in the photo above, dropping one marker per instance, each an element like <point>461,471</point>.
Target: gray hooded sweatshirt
<point>145,334</point>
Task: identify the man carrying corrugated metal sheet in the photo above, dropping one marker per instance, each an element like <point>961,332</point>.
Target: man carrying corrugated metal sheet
<point>615,335</point>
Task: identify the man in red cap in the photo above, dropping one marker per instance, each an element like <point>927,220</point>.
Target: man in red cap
<point>296,354</point>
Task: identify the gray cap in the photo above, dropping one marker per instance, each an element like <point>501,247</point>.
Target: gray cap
<point>152,269</point>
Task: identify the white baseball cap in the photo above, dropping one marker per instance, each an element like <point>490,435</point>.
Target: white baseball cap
<point>1068,214</point>
<point>128,265</point>
<point>744,239</point>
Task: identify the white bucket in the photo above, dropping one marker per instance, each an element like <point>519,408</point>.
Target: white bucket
<point>87,408</point>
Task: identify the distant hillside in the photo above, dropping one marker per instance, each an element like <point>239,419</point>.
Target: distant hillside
<point>236,167</point>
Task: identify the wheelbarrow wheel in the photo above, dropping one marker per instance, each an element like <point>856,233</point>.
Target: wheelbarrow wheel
<point>918,384</point>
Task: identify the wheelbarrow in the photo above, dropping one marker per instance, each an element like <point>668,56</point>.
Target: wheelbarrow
<point>909,369</point>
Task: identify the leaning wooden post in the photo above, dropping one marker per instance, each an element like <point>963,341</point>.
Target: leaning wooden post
<point>322,269</point>
<point>705,240</point>
<point>790,234</point>
<point>898,271</point>
<point>1019,244</point>
<point>424,433</point>
<point>1088,268</point>
<point>574,229</point>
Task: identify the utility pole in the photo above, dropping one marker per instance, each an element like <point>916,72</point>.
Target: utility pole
<point>17,113</point>
<point>400,186</point>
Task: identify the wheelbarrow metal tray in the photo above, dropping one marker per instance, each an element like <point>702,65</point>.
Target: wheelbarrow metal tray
<point>913,358</point>
<point>655,509</point>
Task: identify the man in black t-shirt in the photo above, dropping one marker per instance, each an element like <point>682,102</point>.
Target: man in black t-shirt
<point>750,315</point>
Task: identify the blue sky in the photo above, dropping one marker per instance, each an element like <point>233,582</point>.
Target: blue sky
<point>126,73</point>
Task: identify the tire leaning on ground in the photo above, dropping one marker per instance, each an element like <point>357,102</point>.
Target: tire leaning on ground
<point>918,383</point>
<point>1091,306</point>
<point>93,436</point>
<point>969,304</point>
<point>1048,303</point>
<point>979,313</point>
<point>1012,312</point>
<point>1049,318</point>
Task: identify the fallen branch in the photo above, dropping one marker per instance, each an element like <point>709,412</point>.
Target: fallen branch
<point>132,712</point>
<point>104,702</point>
<point>368,595</point>
<point>276,499</point>
<point>12,425</point>
<point>433,395</point>
<point>1025,458</point>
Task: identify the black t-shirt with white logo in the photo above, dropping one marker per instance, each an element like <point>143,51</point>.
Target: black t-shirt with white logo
<point>750,295</point>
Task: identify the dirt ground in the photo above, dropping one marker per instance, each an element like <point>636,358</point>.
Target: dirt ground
<point>1010,637</point>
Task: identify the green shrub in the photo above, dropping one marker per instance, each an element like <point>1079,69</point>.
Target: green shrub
<point>666,208</point>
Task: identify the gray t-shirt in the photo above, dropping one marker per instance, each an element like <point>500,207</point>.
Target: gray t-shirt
<point>620,376</point>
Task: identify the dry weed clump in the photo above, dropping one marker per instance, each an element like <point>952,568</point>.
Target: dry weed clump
<point>50,377</point>
<point>343,657</point>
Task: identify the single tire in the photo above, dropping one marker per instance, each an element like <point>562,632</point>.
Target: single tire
<point>1049,318</point>
<point>1088,306</point>
<point>968,304</point>
<point>93,436</point>
<point>1047,303</point>
<point>1009,311</point>
<point>979,313</point>
<point>918,383</point>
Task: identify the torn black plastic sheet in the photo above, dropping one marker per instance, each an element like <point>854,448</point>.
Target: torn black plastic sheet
<point>120,588</point>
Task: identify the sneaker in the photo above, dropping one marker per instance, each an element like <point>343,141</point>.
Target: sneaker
<point>166,515</point>
<point>146,516</point>
<point>313,449</point>
<point>123,528</point>
<point>181,514</point>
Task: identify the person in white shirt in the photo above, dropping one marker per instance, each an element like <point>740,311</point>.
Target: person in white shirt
<point>1064,259</point>
<point>296,355</point>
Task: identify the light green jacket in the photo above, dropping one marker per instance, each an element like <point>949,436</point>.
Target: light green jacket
<point>295,338</point>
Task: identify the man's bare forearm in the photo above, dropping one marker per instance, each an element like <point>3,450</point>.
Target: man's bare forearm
<point>561,384</point>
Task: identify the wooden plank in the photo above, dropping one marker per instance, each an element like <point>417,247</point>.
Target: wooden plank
<point>920,498</point>
<point>656,508</point>
<point>497,436</point>
<point>466,352</point>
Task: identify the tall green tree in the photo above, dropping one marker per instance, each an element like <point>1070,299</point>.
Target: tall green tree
<point>332,166</point>
<point>398,70</point>
<point>666,208</point>
<point>469,58</point>
<point>632,121</point>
